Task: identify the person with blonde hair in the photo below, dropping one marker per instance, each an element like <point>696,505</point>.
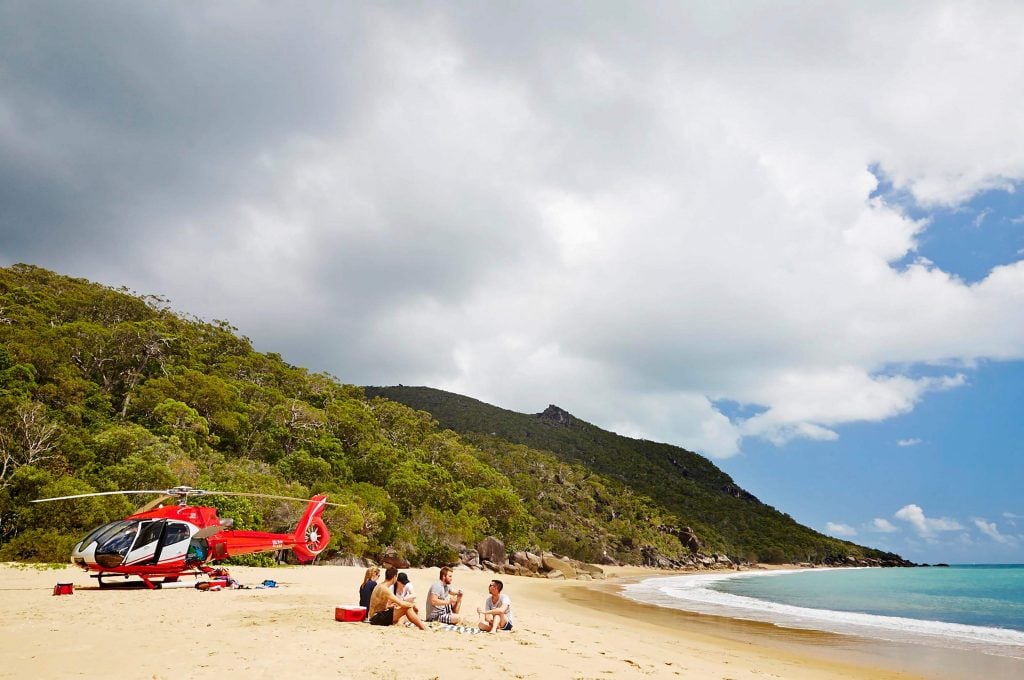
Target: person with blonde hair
<point>366,589</point>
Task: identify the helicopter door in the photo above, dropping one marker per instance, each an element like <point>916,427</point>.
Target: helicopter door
<point>144,549</point>
<point>174,542</point>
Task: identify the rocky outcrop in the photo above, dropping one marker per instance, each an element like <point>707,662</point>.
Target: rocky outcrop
<point>393,559</point>
<point>555,563</point>
<point>588,571</point>
<point>686,536</point>
<point>469,557</point>
<point>851,561</point>
<point>492,549</point>
<point>350,561</point>
<point>556,416</point>
<point>736,492</point>
<point>528,561</point>
<point>490,555</point>
<point>514,570</point>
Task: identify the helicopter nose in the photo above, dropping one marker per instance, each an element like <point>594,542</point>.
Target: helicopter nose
<point>109,560</point>
<point>84,555</point>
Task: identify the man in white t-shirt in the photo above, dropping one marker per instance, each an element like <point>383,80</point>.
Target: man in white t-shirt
<point>497,609</point>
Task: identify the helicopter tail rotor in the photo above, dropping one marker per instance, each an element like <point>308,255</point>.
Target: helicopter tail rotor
<point>311,534</point>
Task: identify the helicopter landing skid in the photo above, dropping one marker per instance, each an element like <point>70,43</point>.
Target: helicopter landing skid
<point>145,582</point>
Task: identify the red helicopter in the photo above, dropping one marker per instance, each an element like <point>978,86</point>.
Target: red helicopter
<point>169,542</point>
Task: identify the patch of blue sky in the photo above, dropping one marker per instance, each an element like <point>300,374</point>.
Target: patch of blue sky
<point>966,240</point>
<point>735,410</point>
<point>957,455</point>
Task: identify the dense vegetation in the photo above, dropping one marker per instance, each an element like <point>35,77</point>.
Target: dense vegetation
<point>686,485</point>
<point>103,390</point>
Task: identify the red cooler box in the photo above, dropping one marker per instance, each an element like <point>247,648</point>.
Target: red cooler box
<point>349,612</point>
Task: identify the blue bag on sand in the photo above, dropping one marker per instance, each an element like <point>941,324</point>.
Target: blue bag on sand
<point>270,584</point>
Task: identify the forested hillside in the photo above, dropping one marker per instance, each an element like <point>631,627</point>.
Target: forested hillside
<point>683,483</point>
<point>103,390</point>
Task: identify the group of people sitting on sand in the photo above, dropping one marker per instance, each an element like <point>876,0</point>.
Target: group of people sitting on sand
<point>394,599</point>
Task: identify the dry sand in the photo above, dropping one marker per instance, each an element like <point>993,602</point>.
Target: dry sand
<point>564,629</point>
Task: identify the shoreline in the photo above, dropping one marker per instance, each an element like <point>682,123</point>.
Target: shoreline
<point>940,663</point>
<point>577,630</point>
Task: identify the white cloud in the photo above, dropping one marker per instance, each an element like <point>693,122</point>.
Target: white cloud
<point>883,526</point>
<point>803,403</point>
<point>926,527</point>
<point>836,529</point>
<point>980,218</point>
<point>686,415</point>
<point>632,216</point>
<point>992,531</point>
<point>912,441</point>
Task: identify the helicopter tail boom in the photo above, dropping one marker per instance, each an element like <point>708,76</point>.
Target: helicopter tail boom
<point>308,540</point>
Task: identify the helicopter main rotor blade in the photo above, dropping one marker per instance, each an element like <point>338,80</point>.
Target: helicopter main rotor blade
<point>180,492</point>
<point>87,495</point>
<point>263,495</point>
<point>153,503</point>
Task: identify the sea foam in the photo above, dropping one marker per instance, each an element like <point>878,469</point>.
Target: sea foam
<point>696,593</point>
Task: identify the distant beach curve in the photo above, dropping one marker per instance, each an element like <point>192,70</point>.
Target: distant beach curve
<point>971,608</point>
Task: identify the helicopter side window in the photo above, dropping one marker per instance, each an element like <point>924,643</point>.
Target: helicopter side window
<point>166,532</point>
<point>150,533</point>
<point>175,533</point>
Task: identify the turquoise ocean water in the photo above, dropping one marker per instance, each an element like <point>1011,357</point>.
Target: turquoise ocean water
<point>970,607</point>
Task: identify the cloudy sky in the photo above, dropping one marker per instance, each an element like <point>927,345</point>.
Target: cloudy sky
<point>787,235</point>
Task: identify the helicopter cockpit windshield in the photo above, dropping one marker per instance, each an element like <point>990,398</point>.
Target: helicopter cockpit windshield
<point>112,542</point>
<point>92,535</point>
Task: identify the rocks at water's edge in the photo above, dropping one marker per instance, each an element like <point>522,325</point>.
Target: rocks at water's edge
<point>490,555</point>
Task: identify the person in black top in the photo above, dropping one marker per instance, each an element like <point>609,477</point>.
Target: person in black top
<point>365,590</point>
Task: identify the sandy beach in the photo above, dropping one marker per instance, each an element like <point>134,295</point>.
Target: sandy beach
<point>564,629</point>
